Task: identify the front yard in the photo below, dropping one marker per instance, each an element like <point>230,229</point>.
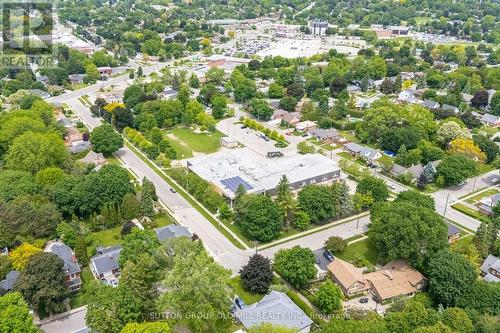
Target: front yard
<point>356,252</point>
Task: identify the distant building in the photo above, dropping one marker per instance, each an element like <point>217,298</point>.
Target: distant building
<point>490,269</point>
<point>326,135</point>
<point>7,285</point>
<point>487,204</point>
<point>370,155</point>
<point>490,120</point>
<point>172,231</point>
<point>105,265</point>
<point>71,267</point>
<point>76,78</point>
<point>318,28</point>
<point>92,157</point>
<point>306,126</point>
<point>276,308</point>
<point>112,97</point>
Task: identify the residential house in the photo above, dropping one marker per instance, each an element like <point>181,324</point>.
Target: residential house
<point>370,155</point>
<point>349,278</point>
<point>75,142</point>
<point>276,308</point>
<point>395,279</point>
<point>172,231</point>
<point>486,205</point>
<point>306,126</point>
<point>40,93</point>
<point>467,97</point>
<point>490,269</point>
<point>168,93</point>
<point>326,135</point>
<point>7,285</point>
<point>453,232</point>
<point>415,171</point>
<point>112,97</point>
<point>406,94</point>
<point>71,267</point>
<point>94,158</point>
<point>352,88</point>
<point>105,71</point>
<point>76,78</point>
<point>490,120</point>
<point>291,118</point>
<point>431,105</point>
<point>105,265</point>
<point>451,108</point>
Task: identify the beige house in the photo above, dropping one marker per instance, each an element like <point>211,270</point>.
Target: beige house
<point>397,278</point>
<point>349,278</point>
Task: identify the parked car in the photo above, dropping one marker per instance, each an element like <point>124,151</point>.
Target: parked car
<point>272,154</point>
<point>495,180</point>
<point>244,126</point>
<point>266,138</point>
<point>363,300</point>
<point>328,255</point>
<point>173,190</point>
<point>239,303</point>
<point>392,186</point>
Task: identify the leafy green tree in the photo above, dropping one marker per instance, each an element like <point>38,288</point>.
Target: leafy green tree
<point>457,319</point>
<point>42,283</point>
<point>285,200</point>
<point>137,243</point>
<point>417,198</point>
<point>316,201</point>
<point>14,183</point>
<point>141,278</point>
<point>81,251</point>
<point>133,95</point>
<point>194,275</point>
<point>130,207</point>
<point>288,103</point>
<point>194,82</point>
<point>36,151</point>
<point>302,220</point>
<point>257,274</point>
<point>374,186</point>
<point>455,169</point>
<point>259,217</point>
<point>151,327</point>
<point>296,265</point>
<point>275,91</point>
<point>219,105</point>
<point>106,140</point>
<point>336,244</point>
<point>50,176</point>
<point>413,316</point>
<point>450,277</point>
<point>15,315</point>
<point>148,197</point>
<point>406,231</point>
<point>328,297</point>
<point>487,146</point>
<point>482,297</point>
<point>66,233</point>
<point>110,309</point>
<point>5,266</point>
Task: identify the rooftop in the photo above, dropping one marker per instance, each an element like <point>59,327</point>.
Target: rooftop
<point>172,231</point>
<point>64,252</point>
<point>228,169</point>
<point>107,259</point>
<point>275,307</point>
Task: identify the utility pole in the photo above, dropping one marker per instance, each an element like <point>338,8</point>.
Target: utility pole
<point>474,185</point>
<point>446,205</point>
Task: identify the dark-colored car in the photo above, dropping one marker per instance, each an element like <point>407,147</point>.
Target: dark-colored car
<point>244,126</point>
<point>239,303</point>
<point>363,300</point>
<point>173,190</point>
<point>272,154</point>
<point>328,255</point>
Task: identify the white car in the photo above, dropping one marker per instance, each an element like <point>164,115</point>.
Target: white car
<point>392,186</point>
<point>495,180</point>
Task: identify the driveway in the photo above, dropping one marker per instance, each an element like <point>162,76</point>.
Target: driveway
<point>69,322</point>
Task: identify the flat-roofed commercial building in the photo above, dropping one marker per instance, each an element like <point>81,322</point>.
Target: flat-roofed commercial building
<point>227,170</point>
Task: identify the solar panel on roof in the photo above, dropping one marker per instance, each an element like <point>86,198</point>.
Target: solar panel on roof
<point>234,182</point>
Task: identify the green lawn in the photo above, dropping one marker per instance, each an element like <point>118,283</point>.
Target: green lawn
<point>105,238</point>
<point>182,150</point>
<point>482,195</point>
<point>482,168</point>
<point>248,297</point>
<point>83,296</point>
<point>346,155</point>
<point>365,248</point>
<point>163,220</point>
<point>201,143</point>
<point>470,212</point>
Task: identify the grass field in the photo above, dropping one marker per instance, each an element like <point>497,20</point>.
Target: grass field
<point>482,195</point>
<point>201,143</point>
<point>470,212</point>
<point>248,297</point>
<point>365,248</point>
<point>83,296</point>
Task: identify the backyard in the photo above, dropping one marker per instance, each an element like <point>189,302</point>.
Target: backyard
<point>363,249</point>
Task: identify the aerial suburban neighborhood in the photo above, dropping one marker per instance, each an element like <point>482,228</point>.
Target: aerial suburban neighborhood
<point>250,166</point>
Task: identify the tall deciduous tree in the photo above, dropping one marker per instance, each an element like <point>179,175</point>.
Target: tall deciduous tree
<point>197,284</point>
<point>296,265</point>
<point>286,200</point>
<point>406,231</point>
<point>374,186</point>
<point>42,283</point>
<point>450,277</point>
<point>15,315</point>
<point>137,243</point>
<point>259,217</point>
<point>329,297</point>
<point>257,274</point>
<point>105,140</point>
